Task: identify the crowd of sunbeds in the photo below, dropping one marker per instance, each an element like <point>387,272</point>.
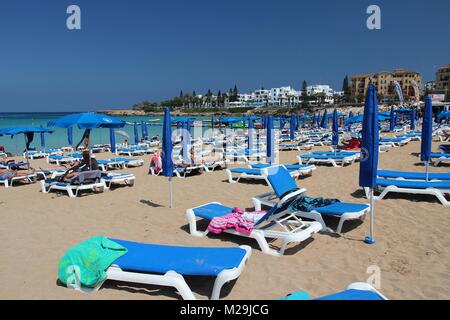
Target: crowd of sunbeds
<point>286,213</point>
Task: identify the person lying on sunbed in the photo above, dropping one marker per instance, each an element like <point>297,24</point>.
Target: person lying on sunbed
<point>86,164</point>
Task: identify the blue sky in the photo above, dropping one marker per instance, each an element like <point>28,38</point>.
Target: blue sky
<point>128,51</point>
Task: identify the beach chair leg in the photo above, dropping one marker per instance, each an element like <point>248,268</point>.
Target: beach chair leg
<point>70,192</point>
<point>230,177</point>
<point>193,225</point>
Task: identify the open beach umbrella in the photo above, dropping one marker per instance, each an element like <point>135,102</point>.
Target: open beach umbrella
<point>28,133</point>
<point>167,161</point>
<point>292,127</point>
<point>270,140</point>
<point>112,140</point>
<point>87,121</point>
<point>427,134</point>
<point>136,133</point>
<point>392,119</point>
<point>413,120</point>
<point>250,134</point>
<point>369,151</point>
<point>335,139</point>
<point>70,136</point>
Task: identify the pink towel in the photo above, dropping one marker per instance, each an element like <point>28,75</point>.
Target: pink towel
<point>234,220</point>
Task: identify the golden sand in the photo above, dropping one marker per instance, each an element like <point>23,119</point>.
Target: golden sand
<point>412,233</point>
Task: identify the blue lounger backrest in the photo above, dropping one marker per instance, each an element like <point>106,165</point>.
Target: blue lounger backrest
<point>281,181</point>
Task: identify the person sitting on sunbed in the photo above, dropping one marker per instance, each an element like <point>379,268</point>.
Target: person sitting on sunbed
<point>86,164</point>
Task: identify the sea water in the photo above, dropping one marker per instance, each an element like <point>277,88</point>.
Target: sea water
<point>58,138</point>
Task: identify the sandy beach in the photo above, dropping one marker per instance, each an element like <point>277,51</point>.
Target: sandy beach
<point>412,233</point>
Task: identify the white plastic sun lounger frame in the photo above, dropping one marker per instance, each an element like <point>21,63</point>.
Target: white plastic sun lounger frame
<point>72,190</point>
<point>337,163</point>
<point>438,161</point>
<point>210,167</point>
<point>131,153</point>
<point>438,193</point>
<point>34,155</point>
<point>365,287</point>
<point>119,178</point>
<point>314,215</point>
<point>185,171</point>
<point>133,163</point>
<point>295,230</point>
<point>171,279</point>
<point>244,175</point>
<point>58,162</point>
<point>8,182</point>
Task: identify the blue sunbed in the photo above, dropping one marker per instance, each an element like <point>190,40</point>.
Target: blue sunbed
<point>284,186</point>
<point>166,265</point>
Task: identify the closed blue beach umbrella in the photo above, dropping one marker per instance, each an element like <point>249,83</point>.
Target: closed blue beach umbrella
<point>112,140</point>
<point>413,120</point>
<point>167,161</point>
<point>185,142</point>
<point>369,152</point>
<point>392,120</point>
<point>324,121</point>
<point>250,134</point>
<point>136,133</point>
<point>427,134</point>
<point>292,127</point>
<point>270,140</point>
<point>335,139</point>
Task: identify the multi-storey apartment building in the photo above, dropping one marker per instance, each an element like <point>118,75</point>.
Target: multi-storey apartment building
<point>409,81</point>
<point>442,83</point>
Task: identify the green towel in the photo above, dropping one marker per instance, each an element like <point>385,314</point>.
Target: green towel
<point>86,263</point>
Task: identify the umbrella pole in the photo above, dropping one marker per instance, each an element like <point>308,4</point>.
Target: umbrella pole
<point>370,239</point>
<point>26,152</point>
<point>427,166</point>
<point>170,193</point>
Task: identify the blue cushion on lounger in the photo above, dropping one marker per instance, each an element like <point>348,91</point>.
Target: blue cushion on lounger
<point>288,166</point>
<point>412,175</point>
<point>212,210</point>
<point>281,181</point>
<point>254,172</point>
<point>339,208</point>
<point>321,157</point>
<point>152,258</point>
<point>353,294</point>
<point>414,184</point>
<point>440,155</point>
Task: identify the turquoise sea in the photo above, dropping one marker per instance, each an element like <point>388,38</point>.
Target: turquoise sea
<point>58,138</point>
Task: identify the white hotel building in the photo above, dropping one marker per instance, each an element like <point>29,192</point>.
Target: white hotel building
<point>282,95</point>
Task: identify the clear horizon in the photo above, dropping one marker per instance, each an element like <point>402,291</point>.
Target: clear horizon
<point>141,50</point>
